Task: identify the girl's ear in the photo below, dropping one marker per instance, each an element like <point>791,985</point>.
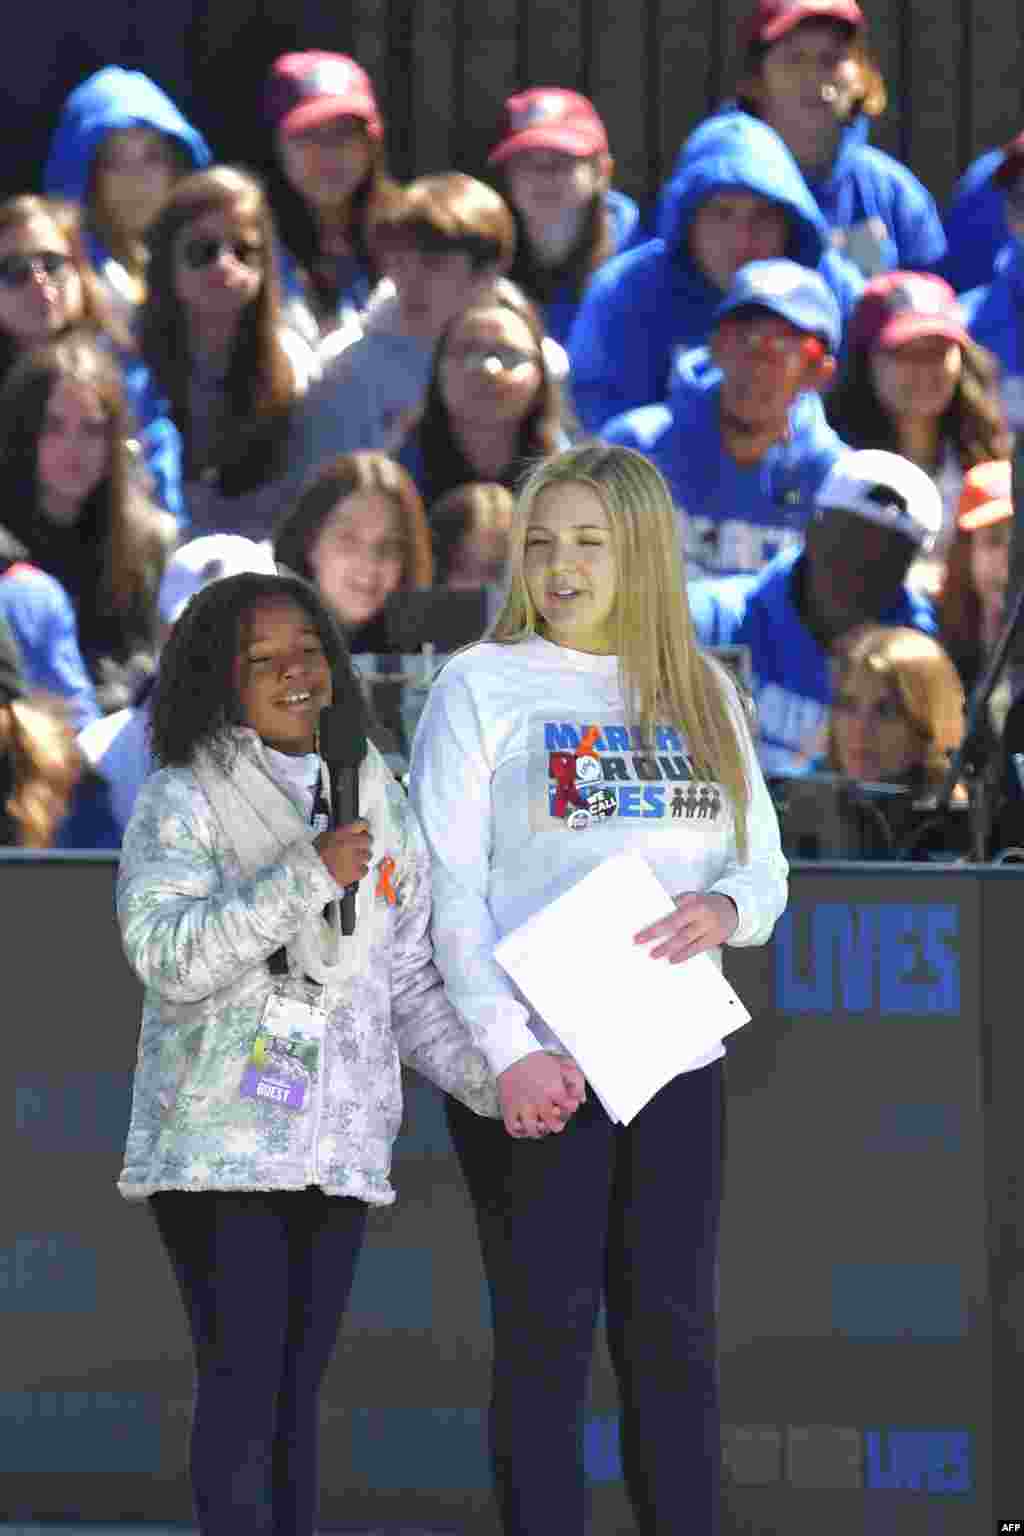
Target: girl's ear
<point>605,167</point>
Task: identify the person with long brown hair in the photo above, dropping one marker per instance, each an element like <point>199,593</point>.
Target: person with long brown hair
<point>49,288</point>
<point>39,765</point>
<point>213,336</point>
<point>551,162</point>
<point>331,182</point>
<point>358,533</point>
<point>72,501</point>
<point>915,383</point>
<point>588,723</point>
<point>493,402</point>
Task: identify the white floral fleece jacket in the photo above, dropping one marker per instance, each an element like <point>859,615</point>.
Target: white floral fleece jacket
<point>198,933</point>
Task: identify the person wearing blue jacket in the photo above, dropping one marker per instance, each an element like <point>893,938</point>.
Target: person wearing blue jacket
<point>742,441</point>
<point>739,197</point>
<point>874,513</point>
<point>551,163</point>
<point>975,221</point>
<point>119,147</point>
<point>807,70</point>
<point>995,310</point>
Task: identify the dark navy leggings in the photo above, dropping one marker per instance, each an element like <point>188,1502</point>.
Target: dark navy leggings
<point>265,1279</point>
<point>628,1214</point>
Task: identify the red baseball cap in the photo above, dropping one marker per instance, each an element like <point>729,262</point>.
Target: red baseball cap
<point>772,19</point>
<point>986,496</point>
<point>1012,164</point>
<point>901,306</point>
<point>549,118</point>
<point>305,89</point>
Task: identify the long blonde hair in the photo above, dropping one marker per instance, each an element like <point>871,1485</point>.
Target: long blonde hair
<point>663,676</point>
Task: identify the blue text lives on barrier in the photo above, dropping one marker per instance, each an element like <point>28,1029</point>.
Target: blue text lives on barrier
<point>878,957</point>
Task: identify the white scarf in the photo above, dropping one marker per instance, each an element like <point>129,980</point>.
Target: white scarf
<point>261,821</point>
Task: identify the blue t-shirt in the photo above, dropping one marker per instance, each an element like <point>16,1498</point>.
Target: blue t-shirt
<point>791,679</point>
<point>734,518</point>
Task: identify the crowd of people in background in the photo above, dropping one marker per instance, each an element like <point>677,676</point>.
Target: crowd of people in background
<point>331,372</point>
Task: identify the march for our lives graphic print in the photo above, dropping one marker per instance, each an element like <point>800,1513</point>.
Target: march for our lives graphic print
<point>601,771</point>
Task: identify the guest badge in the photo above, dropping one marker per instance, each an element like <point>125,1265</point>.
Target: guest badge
<point>285,1058</point>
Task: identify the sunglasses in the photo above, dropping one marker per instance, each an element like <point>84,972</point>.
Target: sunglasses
<point>773,345</point>
<point>508,359</point>
<point>15,270</point>
<point>200,253</point>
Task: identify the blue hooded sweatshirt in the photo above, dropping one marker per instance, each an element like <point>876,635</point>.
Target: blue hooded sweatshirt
<point>110,99</point>
<point>995,318</point>
<point>652,303</point>
<point>976,227</point>
<point>735,518</point>
<point>868,199</point>
<point>791,683</point>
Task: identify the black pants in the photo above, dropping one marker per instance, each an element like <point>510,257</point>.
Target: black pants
<point>265,1279</point>
<point>629,1213</point>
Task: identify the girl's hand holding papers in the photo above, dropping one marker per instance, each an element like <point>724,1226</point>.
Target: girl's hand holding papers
<point>700,922</point>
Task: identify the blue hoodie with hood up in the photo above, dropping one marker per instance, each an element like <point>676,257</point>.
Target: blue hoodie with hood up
<point>734,517</point>
<point>650,304</point>
<point>112,98</point>
<point>866,193</point>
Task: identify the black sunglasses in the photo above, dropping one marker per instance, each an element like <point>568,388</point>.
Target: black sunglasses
<point>15,270</point>
<point>203,252</point>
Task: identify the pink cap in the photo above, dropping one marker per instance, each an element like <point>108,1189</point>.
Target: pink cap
<point>901,306</point>
<point>772,19</point>
<point>306,89</point>
<point>549,118</point>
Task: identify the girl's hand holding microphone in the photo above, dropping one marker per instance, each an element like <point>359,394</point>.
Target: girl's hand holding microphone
<point>346,851</point>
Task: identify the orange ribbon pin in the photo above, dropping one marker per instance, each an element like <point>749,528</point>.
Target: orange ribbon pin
<point>386,869</point>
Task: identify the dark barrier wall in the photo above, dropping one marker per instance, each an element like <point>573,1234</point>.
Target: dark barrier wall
<point>870,1281</point>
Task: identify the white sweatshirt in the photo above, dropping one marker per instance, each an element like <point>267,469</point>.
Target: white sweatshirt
<point>502,791</point>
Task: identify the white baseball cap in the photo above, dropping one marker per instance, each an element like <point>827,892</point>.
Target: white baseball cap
<point>887,489</point>
<point>206,559</point>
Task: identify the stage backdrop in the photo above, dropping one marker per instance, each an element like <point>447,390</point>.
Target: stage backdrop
<point>870,1255</point>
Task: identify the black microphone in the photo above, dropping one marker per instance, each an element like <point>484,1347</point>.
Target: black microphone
<point>343,747</point>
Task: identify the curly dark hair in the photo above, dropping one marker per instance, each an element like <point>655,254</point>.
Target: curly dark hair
<point>195,699</point>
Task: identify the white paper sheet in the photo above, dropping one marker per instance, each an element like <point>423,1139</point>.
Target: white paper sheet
<point>632,1023</point>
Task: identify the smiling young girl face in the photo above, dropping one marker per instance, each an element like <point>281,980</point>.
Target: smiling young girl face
<point>282,676</point>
